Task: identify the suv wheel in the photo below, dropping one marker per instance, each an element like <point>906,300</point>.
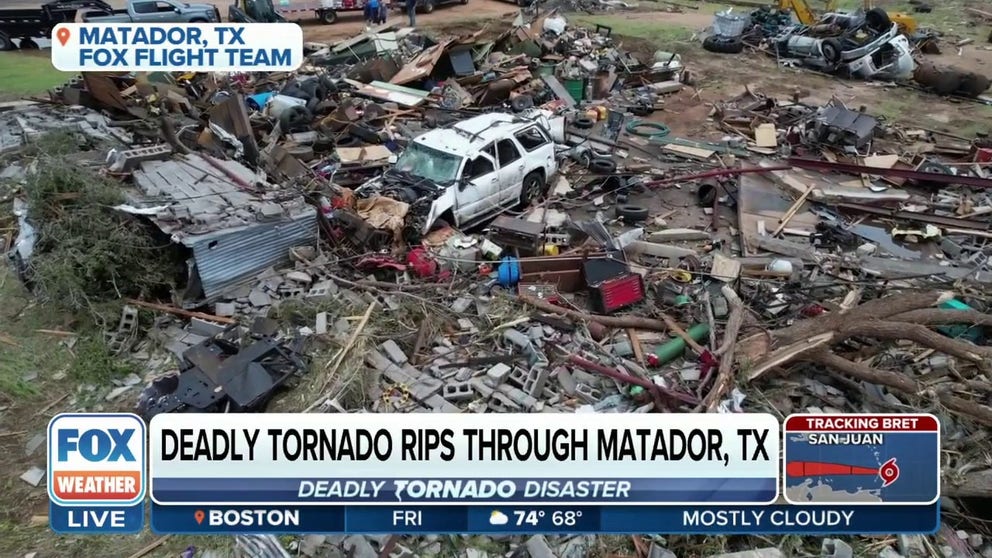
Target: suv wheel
<point>531,188</point>
<point>428,6</point>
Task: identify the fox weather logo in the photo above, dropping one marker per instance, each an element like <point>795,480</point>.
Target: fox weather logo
<point>96,459</point>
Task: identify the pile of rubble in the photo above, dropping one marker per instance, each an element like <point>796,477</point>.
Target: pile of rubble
<point>802,259</point>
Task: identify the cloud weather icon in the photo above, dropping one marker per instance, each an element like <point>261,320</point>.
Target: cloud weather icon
<point>498,518</point>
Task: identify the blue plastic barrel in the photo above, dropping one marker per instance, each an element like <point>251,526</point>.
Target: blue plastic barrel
<point>509,272</point>
<point>257,101</point>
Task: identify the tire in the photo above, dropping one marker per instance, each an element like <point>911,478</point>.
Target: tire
<point>328,17</point>
<point>531,188</point>
<point>723,45</point>
<point>347,141</point>
<point>294,118</point>
<point>603,166</point>
<point>463,2</point>
<point>522,103</point>
<point>28,44</point>
<point>428,6</point>
<point>878,19</point>
<point>584,123</point>
<point>5,42</point>
<point>831,50</point>
<point>632,213</point>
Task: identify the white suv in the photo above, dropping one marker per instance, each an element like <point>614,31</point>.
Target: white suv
<point>472,170</point>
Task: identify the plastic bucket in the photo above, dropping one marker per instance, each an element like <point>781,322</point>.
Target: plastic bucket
<point>727,24</point>
<point>576,88</point>
<point>257,101</point>
<point>509,272</point>
<point>547,69</point>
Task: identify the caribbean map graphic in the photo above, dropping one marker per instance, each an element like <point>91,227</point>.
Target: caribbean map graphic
<point>902,469</point>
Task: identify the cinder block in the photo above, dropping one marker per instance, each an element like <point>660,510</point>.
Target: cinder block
<point>498,373</point>
<point>458,391</point>
<point>394,352</point>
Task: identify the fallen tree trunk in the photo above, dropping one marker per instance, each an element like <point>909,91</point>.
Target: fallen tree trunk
<point>977,484</point>
<point>877,309</point>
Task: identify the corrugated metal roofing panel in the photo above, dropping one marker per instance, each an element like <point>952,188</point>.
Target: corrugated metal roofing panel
<point>226,258</point>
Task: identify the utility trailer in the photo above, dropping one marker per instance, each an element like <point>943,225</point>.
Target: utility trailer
<point>29,24</point>
<point>247,11</point>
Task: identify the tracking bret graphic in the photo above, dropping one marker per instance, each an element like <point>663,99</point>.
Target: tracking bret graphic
<point>861,459</point>
<point>96,460</point>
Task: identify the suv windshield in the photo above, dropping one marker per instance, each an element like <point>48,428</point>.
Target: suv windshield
<point>426,162</point>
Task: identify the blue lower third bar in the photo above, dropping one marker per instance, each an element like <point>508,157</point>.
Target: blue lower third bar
<point>767,520</point>
<point>116,520</point>
<point>453,491</point>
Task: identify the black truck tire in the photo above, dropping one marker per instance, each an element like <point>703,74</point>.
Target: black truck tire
<point>831,50</point>
<point>632,213</point>
<point>5,42</point>
<point>328,16</point>
<point>603,166</point>
<point>427,7</point>
<point>878,19</point>
<point>723,45</point>
<point>584,122</point>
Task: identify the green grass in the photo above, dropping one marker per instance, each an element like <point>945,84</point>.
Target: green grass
<point>28,73</point>
<point>25,353</point>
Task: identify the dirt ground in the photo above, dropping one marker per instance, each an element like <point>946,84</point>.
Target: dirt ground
<point>23,527</point>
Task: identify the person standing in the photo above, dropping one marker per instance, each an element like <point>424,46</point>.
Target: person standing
<point>411,10</point>
<point>371,12</point>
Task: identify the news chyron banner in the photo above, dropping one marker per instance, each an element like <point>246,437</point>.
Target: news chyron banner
<point>510,473</point>
<point>177,47</point>
<point>96,473</point>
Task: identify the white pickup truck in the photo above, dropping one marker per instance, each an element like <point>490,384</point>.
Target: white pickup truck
<point>475,169</point>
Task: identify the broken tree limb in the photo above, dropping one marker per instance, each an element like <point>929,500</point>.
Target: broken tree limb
<point>900,382</point>
<point>787,354</point>
<point>619,322</point>
<point>877,309</point>
<point>977,484</point>
<point>180,312</point>
<point>919,334</point>
<point>725,376</point>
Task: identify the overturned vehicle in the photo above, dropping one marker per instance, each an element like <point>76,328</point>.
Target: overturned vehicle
<point>470,171</point>
<point>862,44</point>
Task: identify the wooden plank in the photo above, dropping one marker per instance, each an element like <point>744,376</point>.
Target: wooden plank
<point>690,151</point>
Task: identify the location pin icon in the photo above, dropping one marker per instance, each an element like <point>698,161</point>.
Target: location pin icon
<point>198,516</point>
<point>63,35</point>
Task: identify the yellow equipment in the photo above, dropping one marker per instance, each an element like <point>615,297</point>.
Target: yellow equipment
<point>803,12</point>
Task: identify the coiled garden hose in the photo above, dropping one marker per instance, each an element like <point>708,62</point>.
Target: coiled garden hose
<point>638,128</point>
